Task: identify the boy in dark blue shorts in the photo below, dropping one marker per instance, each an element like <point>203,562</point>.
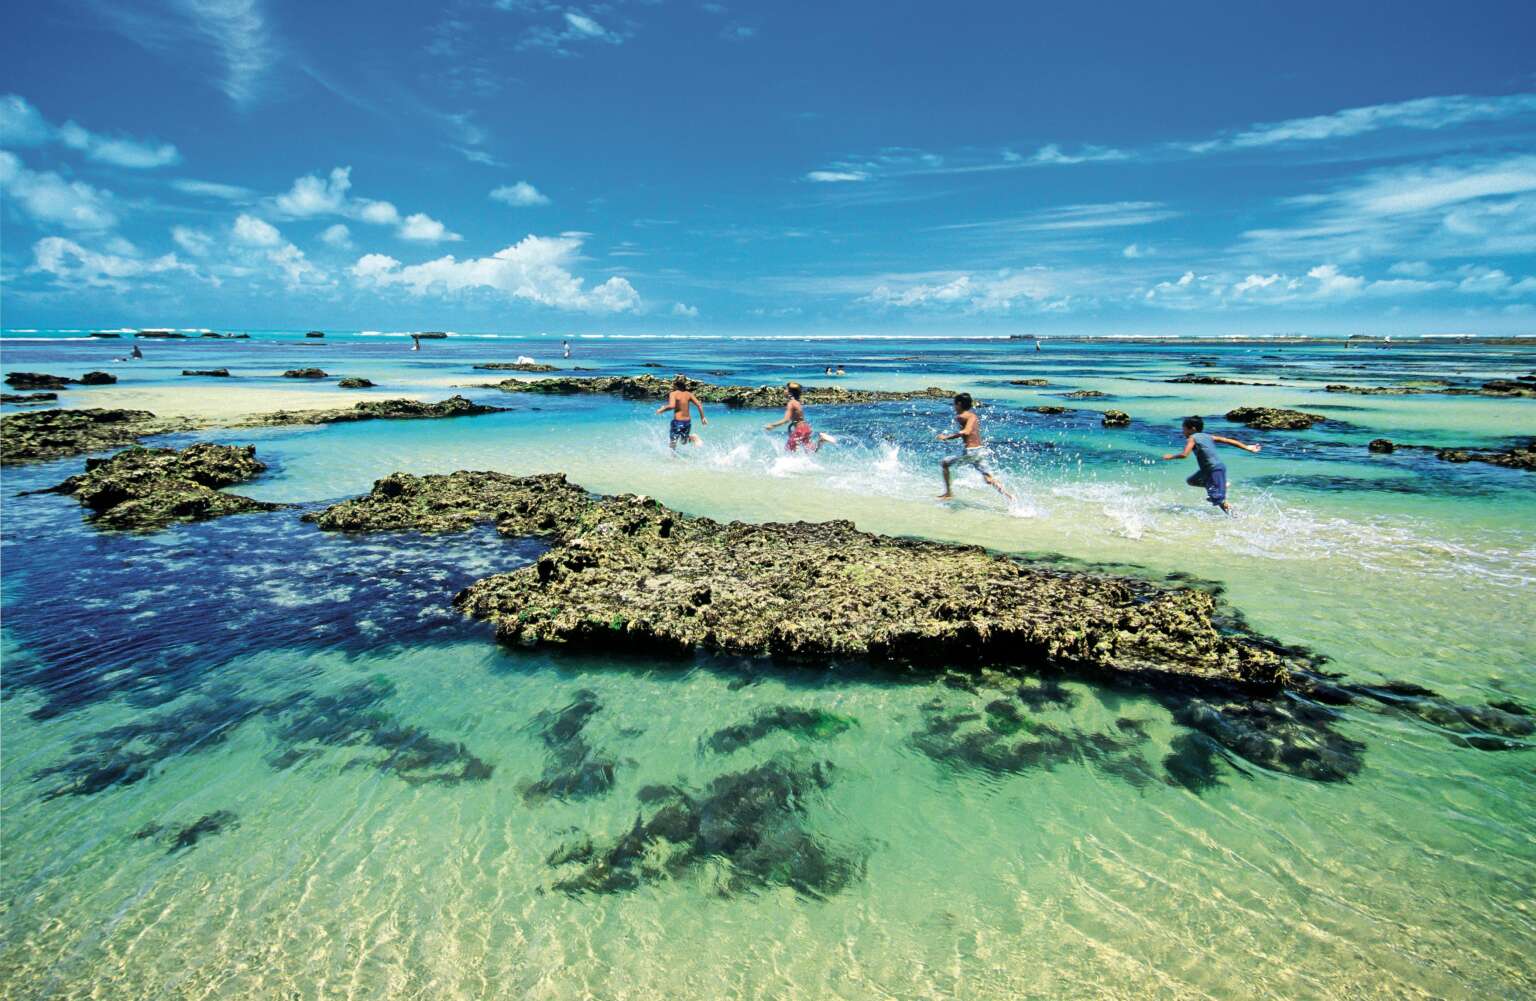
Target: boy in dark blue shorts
<point>679,401</point>
<point>1212,474</point>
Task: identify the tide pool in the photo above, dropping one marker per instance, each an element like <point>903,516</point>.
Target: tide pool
<point>248,758</point>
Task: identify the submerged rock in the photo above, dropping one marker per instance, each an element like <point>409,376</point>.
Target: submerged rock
<point>517,366</point>
<point>1213,380</point>
<point>97,379</point>
<point>752,821</point>
<point>1273,418</point>
<point>304,373</point>
<point>454,406</point>
<point>354,382</point>
<point>648,387</point>
<point>1050,409</point>
<point>51,434</point>
<point>1372,390</point>
<point>626,572</point>
<point>1509,387</point>
<point>40,380</point>
<point>152,487</point>
<point>1085,394</point>
<point>1517,457</point>
<point>1029,382</point>
<point>1381,446</point>
<point>187,837</point>
<point>216,373</point>
<point>1116,419</point>
<point>22,399</point>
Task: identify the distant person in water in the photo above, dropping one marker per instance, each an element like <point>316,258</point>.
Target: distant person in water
<point>1212,474</point>
<point>679,401</point>
<point>975,455</point>
<point>415,342</point>
<point>841,370</point>
<point>565,347</point>
<point>136,353</point>
<point>801,434</point>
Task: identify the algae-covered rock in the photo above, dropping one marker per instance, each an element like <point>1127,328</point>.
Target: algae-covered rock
<point>628,573</point>
<point>1508,387</point>
<point>1116,419</point>
<point>1050,409</point>
<point>27,399</point>
<point>355,382</point>
<point>1381,446</point>
<point>304,373</point>
<point>51,434</point>
<point>152,487</point>
<point>97,379</point>
<point>1085,394</point>
<point>1334,387</point>
<point>1212,380</point>
<point>1273,418</point>
<point>212,373</point>
<point>648,387</point>
<point>517,366</point>
<point>369,410</point>
<point>1518,457</point>
<point>1029,382</point>
<point>37,380</point>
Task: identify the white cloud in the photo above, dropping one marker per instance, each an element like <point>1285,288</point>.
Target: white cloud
<point>233,30</point>
<point>1099,215</point>
<point>212,189</point>
<point>536,269</point>
<point>296,269</point>
<point>21,124</point>
<point>998,292</point>
<point>424,229</point>
<point>51,200</point>
<point>1133,251</point>
<point>836,176</point>
<point>378,213</point>
<point>522,194</point>
<point>1424,114</point>
<point>575,27</point>
<point>1052,155</point>
<point>71,264</point>
<point>254,232</point>
<point>1332,282</point>
<point>337,236</point>
<point>685,310</point>
<point>312,196</point>
<point>193,241</point>
<point>1411,269</point>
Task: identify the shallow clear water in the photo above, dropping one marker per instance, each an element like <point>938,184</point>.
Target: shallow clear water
<point>368,765</point>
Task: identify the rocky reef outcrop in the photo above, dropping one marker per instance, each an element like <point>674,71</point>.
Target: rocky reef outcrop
<point>517,366</point>
<point>355,382</point>
<point>628,573</point>
<point>27,399</point>
<point>1116,419</point>
<point>1273,418</point>
<point>41,380</point>
<point>1195,379</point>
<point>305,373</point>
<point>1029,382</point>
<point>370,410</point>
<point>213,373</point>
<point>648,387</point>
<point>1518,457</point>
<point>1085,394</point>
<point>144,488</point>
<point>52,434</point>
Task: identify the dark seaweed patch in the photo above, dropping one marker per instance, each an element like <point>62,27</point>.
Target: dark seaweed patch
<point>186,838</point>
<point>752,820</point>
<point>813,724</point>
<point>575,770</point>
<point>997,746</point>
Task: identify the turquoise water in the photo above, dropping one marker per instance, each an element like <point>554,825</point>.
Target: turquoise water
<point>372,773</point>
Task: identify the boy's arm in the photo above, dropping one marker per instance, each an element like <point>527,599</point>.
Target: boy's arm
<point>788,409</point>
<point>700,405</point>
<point>1234,441</point>
<point>1189,446</point>
<point>665,405</point>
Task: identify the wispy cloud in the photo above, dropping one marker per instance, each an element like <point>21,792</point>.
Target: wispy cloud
<point>22,125</point>
<point>574,28</point>
<point>212,189</point>
<point>235,30</point>
<point>836,176</point>
<point>1099,215</point>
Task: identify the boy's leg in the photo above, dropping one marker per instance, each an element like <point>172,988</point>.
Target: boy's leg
<point>1196,479</point>
<point>996,485</point>
<point>944,468</point>
<point>1216,489</point>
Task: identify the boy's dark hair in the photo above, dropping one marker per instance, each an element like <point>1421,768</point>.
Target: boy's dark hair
<point>680,382</point>
<point>793,389</point>
<point>964,401</point>
<point>1194,424</point>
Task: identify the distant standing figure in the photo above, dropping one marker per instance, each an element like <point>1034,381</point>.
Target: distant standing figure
<point>975,454</point>
<point>800,431</point>
<point>1037,345</point>
<point>1212,474</point>
<point>565,347</point>
<point>415,342</point>
<point>136,353</point>
<point>679,401</point>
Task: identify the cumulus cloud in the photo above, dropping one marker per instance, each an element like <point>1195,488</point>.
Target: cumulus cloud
<point>21,124</point>
<point>522,195</point>
<point>73,265</point>
<point>254,232</point>
<point>314,196</point>
<point>337,236</point>
<point>536,269</point>
<point>49,199</point>
<point>685,310</point>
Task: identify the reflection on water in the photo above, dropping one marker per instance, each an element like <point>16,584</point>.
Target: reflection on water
<point>247,758</point>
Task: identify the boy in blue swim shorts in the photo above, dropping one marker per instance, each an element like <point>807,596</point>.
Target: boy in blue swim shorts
<point>679,401</point>
<point>1212,474</point>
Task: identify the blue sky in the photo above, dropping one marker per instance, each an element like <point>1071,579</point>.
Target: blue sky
<point>706,167</point>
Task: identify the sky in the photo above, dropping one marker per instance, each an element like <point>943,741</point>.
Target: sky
<point>778,168</point>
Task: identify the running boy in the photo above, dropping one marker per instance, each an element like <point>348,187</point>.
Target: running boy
<point>800,432</point>
<point>975,454</point>
<point>679,401</point>
<point>1212,474</point>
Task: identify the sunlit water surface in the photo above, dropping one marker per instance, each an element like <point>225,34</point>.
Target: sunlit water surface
<point>249,759</point>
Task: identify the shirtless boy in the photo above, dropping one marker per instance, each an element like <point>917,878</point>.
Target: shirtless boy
<point>975,454</point>
<point>679,401</point>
